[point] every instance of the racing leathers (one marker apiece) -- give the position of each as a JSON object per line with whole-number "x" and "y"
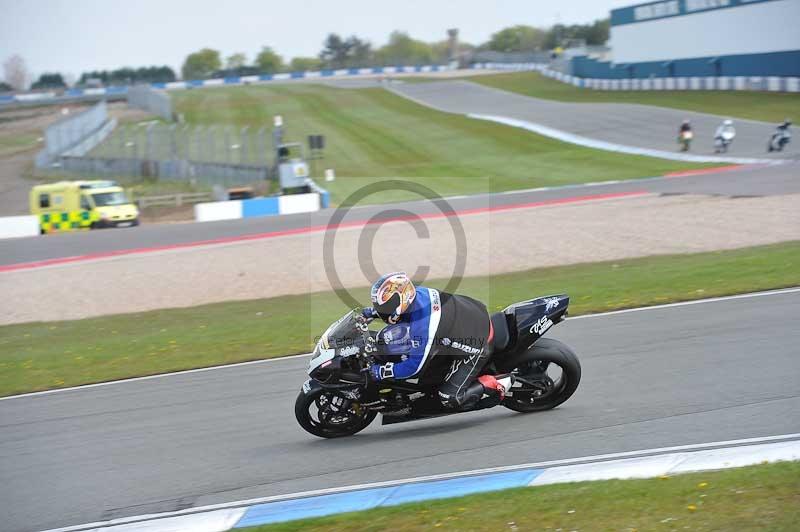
{"x": 447, "y": 339}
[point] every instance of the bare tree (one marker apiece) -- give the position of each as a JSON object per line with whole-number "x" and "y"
{"x": 15, "y": 72}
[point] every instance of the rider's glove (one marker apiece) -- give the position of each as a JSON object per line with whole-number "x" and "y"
{"x": 369, "y": 313}
{"x": 380, "y": 372}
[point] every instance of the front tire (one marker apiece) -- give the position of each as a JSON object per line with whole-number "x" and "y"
{"x": 318, "y": 413}
{"x": 538, "y": 390}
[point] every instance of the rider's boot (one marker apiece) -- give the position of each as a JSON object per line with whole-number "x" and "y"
{"x": 495, "y": 388}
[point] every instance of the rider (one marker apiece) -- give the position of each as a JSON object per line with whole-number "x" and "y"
{"x": 725, "y": 127}
{"x": 428, "y": 329}
{"x": 781, "y": 135}
{"x": 686, "y": 127}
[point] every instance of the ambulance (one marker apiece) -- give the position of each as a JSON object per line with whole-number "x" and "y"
{"x": 76, "y": 205}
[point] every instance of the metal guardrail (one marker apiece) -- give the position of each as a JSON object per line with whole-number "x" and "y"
{"x": 176, "y": 200}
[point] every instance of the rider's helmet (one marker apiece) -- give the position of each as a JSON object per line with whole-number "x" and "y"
{"x": 392, "y": 295}
{"x": 727, "y": 122}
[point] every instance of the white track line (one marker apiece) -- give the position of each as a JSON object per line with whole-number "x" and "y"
{"x": 443, "y": 476}
{"x": 580, "y": 140}
{"x": 290, "y": 357}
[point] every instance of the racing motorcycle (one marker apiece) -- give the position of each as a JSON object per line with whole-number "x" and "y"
{"x": 685, "y": 139}
{"x": 779, "y": 140}
{"x": 722, "y": 141}
{"x": 329, "y": 405}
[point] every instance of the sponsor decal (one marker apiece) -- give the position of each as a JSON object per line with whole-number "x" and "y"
{"x": 461, "y": 345}
{"x": 355, "y": 393}
{"x": 307, "y": 386}
{"x": 542, "y": 325}
{"x": 349, "y": 350}
{"x": 657, "y": 10}
{"x": 457, "y": 364}
{"x": 550, "y": 303}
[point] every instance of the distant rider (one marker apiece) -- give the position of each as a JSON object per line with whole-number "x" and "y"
{"x": 725, "y": 127}
{"x": 724, "y": 135}
{"x": 435, "y": 336}
{"x": 781, "y": 136}
{"x": 685, "y": 135}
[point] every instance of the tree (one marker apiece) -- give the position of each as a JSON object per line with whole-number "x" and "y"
{"x": 403, "y": 50}
{"x": 303, "y": 64}
{"x": 202, "y": 64}
{"x": 5, "y": 87}
{"x": 15, "y": 72}
{"x": 49, "y": 81}
{"x": 235, "y": 61}
{"x": 519, "y": 38}
{"x": 359, "y": 52}
{"x": 334, "y": 51}
{"x": 269, "y": 62}
{"x": 593, "y": 34}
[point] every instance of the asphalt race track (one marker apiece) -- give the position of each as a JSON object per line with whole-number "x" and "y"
{"x": 642, "y": 126}
{"x": 744, "y": 181}
{"x": 711, "y": 371}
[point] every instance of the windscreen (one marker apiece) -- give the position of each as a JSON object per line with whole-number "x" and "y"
{"x": 342, "y": 332}
{"x": 106, "y": 199}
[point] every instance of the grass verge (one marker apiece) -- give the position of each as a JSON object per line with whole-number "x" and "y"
{"x": 755, "y": 498}
{"x": 376, "y": 134}
{"x": 40, "y": 356}
{"x": 765, "y": 106}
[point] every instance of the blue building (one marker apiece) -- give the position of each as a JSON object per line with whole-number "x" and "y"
{"x": 682, "y": 38}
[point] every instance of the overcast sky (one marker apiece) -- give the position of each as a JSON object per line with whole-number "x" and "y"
{"x": 72, "y": 36}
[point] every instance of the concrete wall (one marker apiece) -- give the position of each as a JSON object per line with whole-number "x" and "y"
{"x": 250, "y": 208}
{"x": 19, "y": 226}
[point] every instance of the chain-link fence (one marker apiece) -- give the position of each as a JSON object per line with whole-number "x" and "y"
{"x": 207, "y": 155}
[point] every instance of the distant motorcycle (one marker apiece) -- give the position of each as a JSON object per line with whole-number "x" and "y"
{"x": 724, "y": 136}
{"x": 546, "y": 372}
{"x": 685, "y": 139}
{"x": 779, "y": 139}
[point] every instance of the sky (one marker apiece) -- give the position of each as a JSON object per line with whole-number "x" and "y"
{"x": 79, "y": 35}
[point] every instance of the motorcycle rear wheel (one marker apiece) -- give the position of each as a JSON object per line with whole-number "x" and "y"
{"x": 537, "y": 390}
{"x": 319, "y": 414}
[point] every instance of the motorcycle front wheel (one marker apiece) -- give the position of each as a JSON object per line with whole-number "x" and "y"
{"x": 327, "y": 415}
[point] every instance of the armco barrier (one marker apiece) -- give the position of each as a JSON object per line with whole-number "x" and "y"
{"x": 251, "y": 208}
{"x": 708, "y": 83}
{"x": 19, "y": 226}
{"x": 117, "y": 92}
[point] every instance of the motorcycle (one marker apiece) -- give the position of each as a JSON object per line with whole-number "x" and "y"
{"x": 546, "y": 372}
{"x": 685, "y": 139}
{"x": 779, "y": 140}
{"x": 722, "y": 141}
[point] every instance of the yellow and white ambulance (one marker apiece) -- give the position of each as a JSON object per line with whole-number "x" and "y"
{"x": 76, "y": 205}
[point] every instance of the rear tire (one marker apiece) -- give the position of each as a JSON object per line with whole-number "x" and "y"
{"x": 318, "y": 427}
{"x": 545, "y": 351}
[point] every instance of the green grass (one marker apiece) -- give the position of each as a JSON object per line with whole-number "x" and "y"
{"x": 374, "y": 133}
{"x": 754, "y": 498}
{"x": 12, "y": 143}
{"x": 39, "y": 356}
{"x": 765, "y": 106}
